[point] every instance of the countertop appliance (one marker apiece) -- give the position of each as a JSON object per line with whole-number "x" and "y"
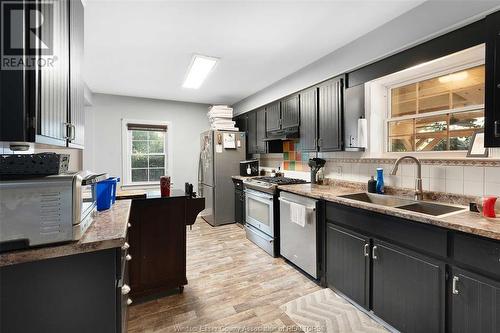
{"x": 249, "y": 168}
{"x": 298, "y": 243}
{"x": 46, "y": 210}
{"x": 262, "y": 210}
{"x": 220, "y": 154}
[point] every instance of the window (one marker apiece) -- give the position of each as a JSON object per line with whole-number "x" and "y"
{"x": 437, "y": 114}
{"x": 145, "y": 153}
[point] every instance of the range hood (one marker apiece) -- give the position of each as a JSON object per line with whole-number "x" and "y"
{"x": 283, "y": 134}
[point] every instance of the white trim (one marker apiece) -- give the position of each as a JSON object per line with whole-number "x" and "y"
{"x": 126, "y": 168}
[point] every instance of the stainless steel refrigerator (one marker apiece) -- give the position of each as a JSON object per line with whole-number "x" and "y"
{"x": 220, "y": 156}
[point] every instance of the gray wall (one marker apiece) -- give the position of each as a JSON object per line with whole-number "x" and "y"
{"x": 103, "y": 133}
{"x": 424, "y": 22}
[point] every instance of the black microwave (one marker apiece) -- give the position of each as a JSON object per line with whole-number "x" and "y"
{"x": 249, "y": 168}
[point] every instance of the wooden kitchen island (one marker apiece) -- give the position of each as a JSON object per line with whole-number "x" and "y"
{"x": 157, "y": 238}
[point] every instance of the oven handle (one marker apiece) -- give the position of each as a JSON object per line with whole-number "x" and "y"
{"x": 291, "y": 202}
{"x": 257, "y": 194}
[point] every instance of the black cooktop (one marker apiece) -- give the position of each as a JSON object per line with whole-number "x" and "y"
{"x": 281, "y": 180}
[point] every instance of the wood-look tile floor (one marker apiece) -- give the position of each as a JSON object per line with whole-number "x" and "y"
{"x": 233, "y": 286}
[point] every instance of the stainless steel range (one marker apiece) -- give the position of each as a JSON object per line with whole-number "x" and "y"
{"x": 262, "y": 211}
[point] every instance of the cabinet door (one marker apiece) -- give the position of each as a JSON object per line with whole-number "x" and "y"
{"x": 408, "y": 289}
{"x": 330, "y": 115}
{"x": 54, "y": 82}
{"x": 238, "y": 207}
{"x": 492, "y": 89}
{"x": 77, "y": 112}
{"x": 475, "y": 303}
{"x": 252, "y": 133}
{"x": 261, "y": 131}
{"x": 273, "y": 116}
{"x": 347, "y": 263}
{"x": 354, "y": 109}
{"x": 309, "y": 119}
{"x": 290, "y": 112}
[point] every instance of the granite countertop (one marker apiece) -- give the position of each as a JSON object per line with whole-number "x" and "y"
{"x": 109, "y": 230}
{"x": 465, "y": 221}
{"x": 243, "y": 177}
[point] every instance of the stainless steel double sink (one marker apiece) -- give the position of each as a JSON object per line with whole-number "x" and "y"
{"x": 423, "y": 207}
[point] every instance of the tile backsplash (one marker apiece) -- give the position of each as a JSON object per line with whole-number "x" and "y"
{"x": 475, "y": 177}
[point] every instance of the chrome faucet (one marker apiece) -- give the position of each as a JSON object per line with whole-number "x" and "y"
{"x": 419, "y": 193}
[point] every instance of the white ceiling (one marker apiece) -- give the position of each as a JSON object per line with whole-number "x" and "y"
{"x": 143, "y": 48}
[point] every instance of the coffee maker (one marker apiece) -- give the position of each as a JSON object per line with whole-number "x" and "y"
{"x": 315, "y": 164}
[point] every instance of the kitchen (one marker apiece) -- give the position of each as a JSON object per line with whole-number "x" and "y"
{"x": 171, "y": 174}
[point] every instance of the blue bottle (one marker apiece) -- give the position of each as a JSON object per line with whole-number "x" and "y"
{"x": 380, "y": 181}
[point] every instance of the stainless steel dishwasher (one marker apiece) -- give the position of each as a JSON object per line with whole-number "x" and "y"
{"x": 298, "y": 243}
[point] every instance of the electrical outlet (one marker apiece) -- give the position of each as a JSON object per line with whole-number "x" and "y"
{"x": 337, "y": 171}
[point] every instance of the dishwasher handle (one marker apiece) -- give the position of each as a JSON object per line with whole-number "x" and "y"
{"x": 292, "y": 202}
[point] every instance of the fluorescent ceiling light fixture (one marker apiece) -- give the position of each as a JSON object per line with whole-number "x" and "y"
{"x": 198, "y": 71}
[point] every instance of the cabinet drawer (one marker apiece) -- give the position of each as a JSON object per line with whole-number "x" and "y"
{"x": 404, "y": 232}
{"x": 477, "y": 252}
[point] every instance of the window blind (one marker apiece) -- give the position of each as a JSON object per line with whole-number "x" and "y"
{"x": 146, "y": 127}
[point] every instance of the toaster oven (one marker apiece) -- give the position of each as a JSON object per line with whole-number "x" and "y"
{"x": 46, "y": 210}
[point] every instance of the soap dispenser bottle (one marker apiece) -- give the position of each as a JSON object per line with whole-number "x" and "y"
{"x": 380, "y": 181}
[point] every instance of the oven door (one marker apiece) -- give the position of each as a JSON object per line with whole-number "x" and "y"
{"x": 260, "y": 211}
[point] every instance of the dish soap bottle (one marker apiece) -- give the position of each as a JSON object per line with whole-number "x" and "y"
{"x": 380, "y": 181}
{"x": 372, "y": 185}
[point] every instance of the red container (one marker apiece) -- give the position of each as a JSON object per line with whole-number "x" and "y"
{"x": 489, "y": 206}
{"x": 165, "y": 186}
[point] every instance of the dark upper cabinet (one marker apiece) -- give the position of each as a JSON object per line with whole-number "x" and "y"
{"x": 46, "y": 105}
{"x": 475, "y": 303}
{"x": 290, "y": 111}
{"x": 492, "y": 89}
{"x": 408, "y": 289}
{"x": 261, "y": 145}
{"x": 309, "y": 119}
{"x": 354, "y": 109}
{"x": 251, "y": 122}
{"x": 273, "y": 116}
{"x": 77, "y": 111}
{"x": 330, "y": 104}
{"x": 348, "y": 263}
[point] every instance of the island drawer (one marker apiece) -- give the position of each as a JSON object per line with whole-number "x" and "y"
{"x": 481, "y": 253}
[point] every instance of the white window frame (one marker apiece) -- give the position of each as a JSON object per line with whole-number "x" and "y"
{"x": 443, "y": 72}
{"x": 127, "y": 151}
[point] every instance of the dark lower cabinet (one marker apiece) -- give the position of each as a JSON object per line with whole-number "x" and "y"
{"x": 348, "y": 263}
{"x": 77, "y": 293}
{"x": 408, "y": 289}
{"x": 475, "y": 303}
{"x": 239, "y": 202}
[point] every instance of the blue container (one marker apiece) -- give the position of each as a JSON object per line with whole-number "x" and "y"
{"x": 115, "y": 186}
{"x": 106, "y": 193}
{"x": 380, "y": 181}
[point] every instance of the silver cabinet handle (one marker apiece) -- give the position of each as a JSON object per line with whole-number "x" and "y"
{"x": 128, "y": 257}
{"x": 67, "y": 129}
{"x": 125, "y": 289}
{"x": 129, "y": 225}
{"x": 365, "y": 250}
{"x": 73, "y": 132}
{"x": 454, "y": 289}
{"x": 374, "y": 253}
{"x": 129, "y": 301}
{"x": 125, "y": 246}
